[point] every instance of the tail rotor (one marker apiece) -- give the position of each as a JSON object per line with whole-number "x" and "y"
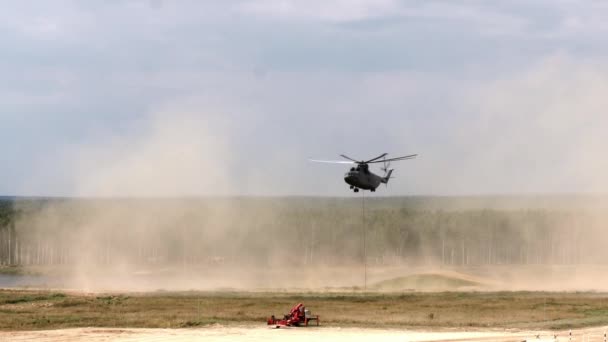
{"x": 387, "y": 172}
{"x": 385, "y": 167}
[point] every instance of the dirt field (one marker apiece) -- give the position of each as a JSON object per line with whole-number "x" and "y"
{"x": 255, "y": 333}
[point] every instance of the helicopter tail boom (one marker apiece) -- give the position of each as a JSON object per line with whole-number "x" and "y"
{"x": 387, "y": 177}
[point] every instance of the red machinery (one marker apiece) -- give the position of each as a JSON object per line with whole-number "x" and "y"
{"x": 298, "y": 316}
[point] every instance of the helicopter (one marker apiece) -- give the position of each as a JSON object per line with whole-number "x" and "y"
{"x": 360, "y": 177}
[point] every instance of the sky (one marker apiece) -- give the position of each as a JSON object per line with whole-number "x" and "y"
{"x": 202, "y": 98}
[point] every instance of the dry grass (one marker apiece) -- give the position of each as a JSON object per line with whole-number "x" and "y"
{"x": 26, "y": 310}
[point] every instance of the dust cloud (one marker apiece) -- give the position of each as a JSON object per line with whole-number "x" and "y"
{"x": 162, "y": 208}
{"x": 155, "y": 209}
{"x": 296, "y": 244}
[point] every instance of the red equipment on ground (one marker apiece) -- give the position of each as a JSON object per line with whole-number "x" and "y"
{"x": 298, "y": 316}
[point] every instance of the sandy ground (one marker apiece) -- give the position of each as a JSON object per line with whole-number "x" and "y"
{"x": 221, "y": 333}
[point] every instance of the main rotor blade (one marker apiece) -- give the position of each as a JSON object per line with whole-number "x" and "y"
{"x": 411, "y": 156}
{"x": 378, "y": 157}
{"x": 349, "y": 158}
{"x": 331, "y": 161}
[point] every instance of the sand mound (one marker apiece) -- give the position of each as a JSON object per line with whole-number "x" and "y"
{"x": 430, "y": 282}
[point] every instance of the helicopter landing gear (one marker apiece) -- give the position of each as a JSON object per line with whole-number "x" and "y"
{"x": 356, "y": 190}
{"x": 352, "y": 187}
{"x": 373, "y": 190}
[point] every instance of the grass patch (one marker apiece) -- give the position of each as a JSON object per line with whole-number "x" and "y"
{"x": 12, "y": 270}
{"x": 26, "y": 310}
{"x": 30, "y": 298}
{"x": 29, "y": 270}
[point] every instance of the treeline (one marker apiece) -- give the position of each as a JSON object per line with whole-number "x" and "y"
{"x": 299, "y": 231}
{"x": 8, "y": 236}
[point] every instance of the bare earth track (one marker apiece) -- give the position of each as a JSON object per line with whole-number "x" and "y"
{"x": 252, "y": 333}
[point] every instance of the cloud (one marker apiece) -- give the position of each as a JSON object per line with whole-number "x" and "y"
{"x": 469, "y": 86}
{"x": 331, "y": 11}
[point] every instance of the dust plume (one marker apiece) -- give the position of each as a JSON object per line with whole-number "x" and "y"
{"x": 162, "y": 206}
{"x": 156, "y": 209}
{"x": 293, "y": 243}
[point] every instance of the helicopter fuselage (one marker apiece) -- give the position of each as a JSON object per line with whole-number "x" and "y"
{"x": 362, "y": 178}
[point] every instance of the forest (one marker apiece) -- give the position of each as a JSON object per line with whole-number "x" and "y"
{"x": 470, "y": 231}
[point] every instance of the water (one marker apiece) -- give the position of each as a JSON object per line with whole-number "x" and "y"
{"x": 15, "y": 281}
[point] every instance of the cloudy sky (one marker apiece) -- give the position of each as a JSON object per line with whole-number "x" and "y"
{"x": 165, "y": 98}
